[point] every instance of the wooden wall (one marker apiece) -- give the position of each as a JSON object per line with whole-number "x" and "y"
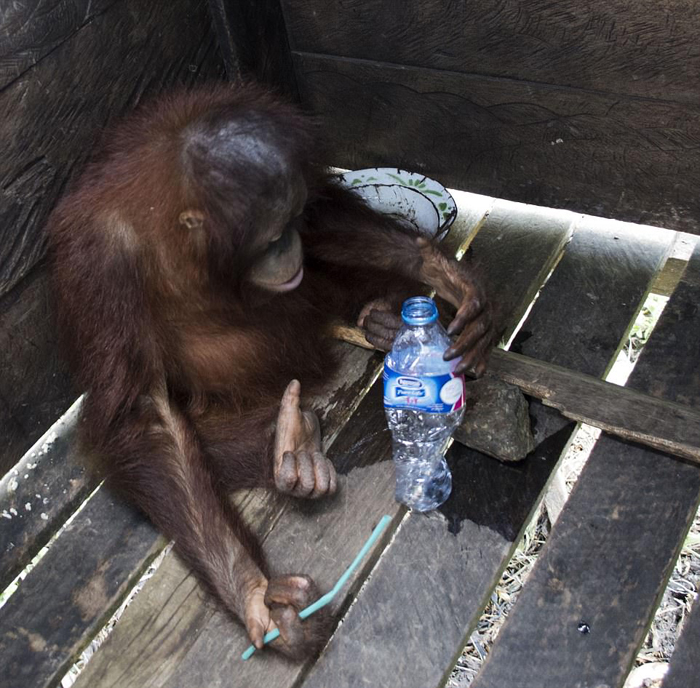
{"x": 68, "y": 67}
{"x": 591, "y": 106}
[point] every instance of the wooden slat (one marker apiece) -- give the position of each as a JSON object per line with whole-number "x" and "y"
{"x": 473, "y": 210}
{"x": 53, "y": 483}
{"x": 525, "y": 244}
{"x": 671, "y": 374}
{"x": 602, "y": 154}
{"x": 685, "y": 661}
{"x": 35, "y": 385}
{"x": 426, "y": 594}
{"x": 647, "y": 48}
{"x": 73, "y": 589}
{"x": 323, "y": 539}
{"x": 168, "y": 617}
{"x": 613, "y": 548}
{"x": 102, "y": 58}
{"x": 669, "y": 278}
{"x": 622, "y": 411}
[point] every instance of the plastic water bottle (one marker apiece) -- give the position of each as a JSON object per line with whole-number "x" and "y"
{"x": 424, "y": 403}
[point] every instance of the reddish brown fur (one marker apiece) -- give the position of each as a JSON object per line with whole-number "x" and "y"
{"x": 183, "y": 364}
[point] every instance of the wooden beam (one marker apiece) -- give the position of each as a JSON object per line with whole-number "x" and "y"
{"x": 586, "y": 45}
{"x": 631, "y": 415}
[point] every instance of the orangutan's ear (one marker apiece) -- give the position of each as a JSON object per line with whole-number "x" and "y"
{"x": 192, "y": 219}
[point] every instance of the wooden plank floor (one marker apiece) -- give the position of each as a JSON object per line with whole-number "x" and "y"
{"x": 333, "y": 542}
{"x": 53, "y": 483}
{"x": 92, "y": 540}
{"x": 594, "y": 589}
{"x": 515, "y": 252}
{"x": 43, "y": 625}
{"x": 428, "y": 590}
{"x": 169, "y": 615}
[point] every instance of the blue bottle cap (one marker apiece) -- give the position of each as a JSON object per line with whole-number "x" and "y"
{"x": 419, "y": 310}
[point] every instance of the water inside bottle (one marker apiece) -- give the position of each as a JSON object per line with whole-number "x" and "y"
{"x": 423, "y": 401}
{"x": 423, "y": 480}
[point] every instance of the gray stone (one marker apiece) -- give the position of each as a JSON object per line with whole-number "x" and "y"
{"x": 497, "y": 420}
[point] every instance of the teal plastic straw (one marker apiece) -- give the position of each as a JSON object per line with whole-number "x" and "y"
{"x": 323, "y": 601}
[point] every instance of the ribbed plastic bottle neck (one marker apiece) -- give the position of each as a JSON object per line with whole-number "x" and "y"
{"x": 419, "y": 311}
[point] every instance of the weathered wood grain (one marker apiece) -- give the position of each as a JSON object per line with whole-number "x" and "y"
{"x": 594, "y": 589}
{"x": 621, "y": 411}
{"x": 172, "y": 627}
{"x": 670, "y": 374}
{"x": 583, "y": 289}
{"x": 29, "y": 31}
{"x": 608, "y": 155}
{"x": 35, "y": 385}
{"x": 473, "y": 212}
{"x": 646, "y": 48}
{"x": 685, "y": 661}
{"x": 514, "y": 253}
{"x": 37, "y": 496}
{"x": 72, "y": 591}
{"x": 428, "y": 590}
{"x": 669, "y": 278}
{"x": 51, "y": 115}
{"x": 171, "y": 608}
{"x": 254, "y": 42}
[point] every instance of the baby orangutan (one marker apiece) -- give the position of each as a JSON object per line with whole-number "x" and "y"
{"x": 197, "y": 266}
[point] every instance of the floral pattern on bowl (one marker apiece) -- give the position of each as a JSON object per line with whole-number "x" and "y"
{"x": 435, "y": 192}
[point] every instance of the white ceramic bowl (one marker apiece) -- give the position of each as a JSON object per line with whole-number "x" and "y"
{"x": 405, "y": 204}
{"x": 406, "y": 195}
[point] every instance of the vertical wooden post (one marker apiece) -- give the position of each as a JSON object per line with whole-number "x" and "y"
{"x": 254, "y": 43}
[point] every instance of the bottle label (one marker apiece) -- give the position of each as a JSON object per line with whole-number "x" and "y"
{"x": 432, "y": 393}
